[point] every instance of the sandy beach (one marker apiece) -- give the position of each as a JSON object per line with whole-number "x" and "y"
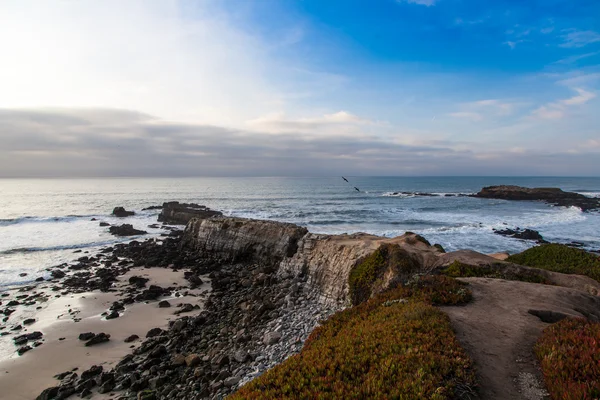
{"x": 26, "y": 376}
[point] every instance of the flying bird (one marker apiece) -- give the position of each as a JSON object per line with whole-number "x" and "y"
{"x": 345, "y": 179}
{"x": 357, "y": 189}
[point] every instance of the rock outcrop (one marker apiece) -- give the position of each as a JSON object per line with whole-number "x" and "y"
{"x": 121, "y": 212}
{"x": 177, "y": 213}
{"x": 238, "y": 239}
{"x": 327, "y": 260}
{"x": 524, "y": 234}
{"x": 125, "y": 230}
{"x": 553, "y": 196}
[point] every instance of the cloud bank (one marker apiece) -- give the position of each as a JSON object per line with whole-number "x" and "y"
{"x": 109, "y": 142}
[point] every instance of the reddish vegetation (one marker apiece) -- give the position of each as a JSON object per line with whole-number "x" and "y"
{"x": 387, "y": 347}
{"x": 569, "y": 352}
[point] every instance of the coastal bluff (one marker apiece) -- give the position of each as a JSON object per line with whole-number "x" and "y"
{"x": 327, "y": 260}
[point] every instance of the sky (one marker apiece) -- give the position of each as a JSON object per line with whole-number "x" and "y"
{"x": 299, "y": 88}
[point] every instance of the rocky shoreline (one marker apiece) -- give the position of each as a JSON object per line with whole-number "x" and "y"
{"x": 252, "y": 320}
{"x": 270, "y": 283}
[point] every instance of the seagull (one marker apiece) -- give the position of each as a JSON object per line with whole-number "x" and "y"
{"x": 345, "y": 179}
{"x": 357, "y": 189}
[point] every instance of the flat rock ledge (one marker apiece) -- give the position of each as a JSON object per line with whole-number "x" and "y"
{"x": 554, "y": 196}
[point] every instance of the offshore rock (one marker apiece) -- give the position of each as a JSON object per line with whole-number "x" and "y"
{"x": 177, "y": 213}
{"x": 121, "y": 212}
{"x": 553, "y": 196}
{"x": 125, "y": 230}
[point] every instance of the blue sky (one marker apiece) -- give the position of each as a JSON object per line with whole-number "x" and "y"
{"x": 385, "y": 87}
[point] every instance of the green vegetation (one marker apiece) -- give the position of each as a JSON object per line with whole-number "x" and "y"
{"x": 437, "y": 290}
{"x": 560, "y": 258}
{"x": 371, "y": 268}
{"x": 439, "y": 247}
{"x": 394, "y": 345}
{"x": 499, "y": 271}
{"x": 569, "y": 354}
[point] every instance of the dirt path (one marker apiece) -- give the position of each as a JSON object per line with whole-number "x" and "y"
{"x": 499, "y": 333}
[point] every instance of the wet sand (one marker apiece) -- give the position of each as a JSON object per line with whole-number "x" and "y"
{"x": 26, "y": 376}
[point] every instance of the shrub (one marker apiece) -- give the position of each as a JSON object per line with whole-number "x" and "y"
{"x": 438, "y": 290}
{"x": 498, "y": 271}
{"x": 365, "y": 275}
{"x": 569, "y": 354}
{"x": 560, "y": 258}
{"x": 387, "y": 347}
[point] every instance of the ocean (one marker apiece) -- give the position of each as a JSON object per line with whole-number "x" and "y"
{"x": 43, "y": 222}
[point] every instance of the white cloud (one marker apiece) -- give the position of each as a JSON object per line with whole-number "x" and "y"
{"x": 484, "y": 109}
{"x": 549, "y": 112}
{"x": 559, "y": 109}
{"x": 581, "y": 98}
{"x": 575, "y": 38}
{"x": 575, "y": 58}
{"x": 341, "y": 122}
{"x": 184, "y": 61}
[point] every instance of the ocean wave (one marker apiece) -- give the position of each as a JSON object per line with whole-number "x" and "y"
{"x": 590, "y": 194}
{"x": 426, "y": 194}
{"x": 37, "y": 219}
{"x": 21, "y": 250}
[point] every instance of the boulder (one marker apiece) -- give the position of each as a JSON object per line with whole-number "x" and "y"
{"x": 121, "y": 212}
{"x": 97, "y": 339}
{"x": 125, "y": 230}
{"x": 271, "y": 338}
{"x": 192, "y": 360}
{"x": 131, "y": 338}
{"x": 524, "y": 234}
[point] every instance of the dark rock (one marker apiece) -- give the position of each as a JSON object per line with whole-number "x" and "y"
{"x": 131, "y": 338}
{"x": 192, "y": 360}
{"x": 154, "y": 332}
{"x": 152, "y": 293}
{"x": 40, "y": 279}
{"x": 48, "y": 394}
{"x": 181, "y": 213}
{"x": 24, "y": 350}
{"x": 113, "y": 315}
{"x": 94, "y": 370}
{"x": 103, "y": 224}
{"x": 125, "y": 230}
{"x": 58, "y": 274}
{"x": 97, "y": 339}
{"x": 19, "y": 340}
{"x": 185, "y": 309}
{"x": 138, "y": 281}
{"x": 164, "y": 304}
{"x": 29, "y": 321}
{"x": 146, "y": 395}
{"x": 86, "y": 336}
{"x": 524, "y": 234}
{"x": 121, "y": 212}
{"x": 553, "y": 196}
{"x": 106, "y": 387}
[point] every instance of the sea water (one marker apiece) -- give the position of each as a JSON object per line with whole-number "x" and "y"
{"x": 43, "y": 222}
